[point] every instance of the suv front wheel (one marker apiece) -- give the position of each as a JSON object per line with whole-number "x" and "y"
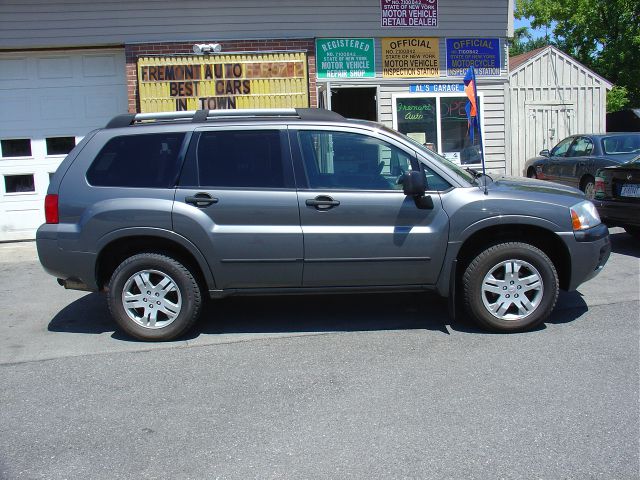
{"x": 510, "y": 287}
{"x": 154, "y": 297}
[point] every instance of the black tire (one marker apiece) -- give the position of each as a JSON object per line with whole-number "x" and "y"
{"x": 588, "y": 185}
{"x": 531, "y": 173}
{"x": 181, "y": 299}
{"x": 533, "y": 263}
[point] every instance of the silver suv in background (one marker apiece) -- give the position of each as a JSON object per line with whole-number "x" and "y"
{"x": 162, "y": 210}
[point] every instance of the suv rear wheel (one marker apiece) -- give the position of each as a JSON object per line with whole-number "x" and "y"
{"x": 510, "y": 287}
{"x": 154, "y": 297}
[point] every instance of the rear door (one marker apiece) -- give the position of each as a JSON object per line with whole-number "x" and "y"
{"x": 237, "y": 201}
{"x": 359, "y": 228}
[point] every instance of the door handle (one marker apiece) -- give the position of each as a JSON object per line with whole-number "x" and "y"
{"x": 322, "y": 202}
{"x": 201, "y": 200}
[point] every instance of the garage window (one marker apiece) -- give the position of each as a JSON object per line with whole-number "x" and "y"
{"x": 19, "y": 184}
{"x": 16, "y": 147}
{"x": 60, "y": 145}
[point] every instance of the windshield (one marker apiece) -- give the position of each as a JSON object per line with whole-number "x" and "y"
{"x": 457, "y": 169}
{"x": 621, "y": 144}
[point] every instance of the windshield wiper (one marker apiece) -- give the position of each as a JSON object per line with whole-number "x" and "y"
{"x": 473, "y": 172}
{"x": 477, "y": 175}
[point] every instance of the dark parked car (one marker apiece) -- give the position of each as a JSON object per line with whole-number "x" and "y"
{"x": 617, "y": 196}
{"x": 576, "y": 159}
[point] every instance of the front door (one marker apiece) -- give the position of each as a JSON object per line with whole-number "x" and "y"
{"x": 552, "y": 167}
{"x": 359, "y": 228}
{"x": 238, "y": 203}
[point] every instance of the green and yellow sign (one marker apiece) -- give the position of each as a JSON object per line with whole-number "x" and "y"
{"x": 265, "y": 80}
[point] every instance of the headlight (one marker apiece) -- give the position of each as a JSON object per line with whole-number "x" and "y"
{"x": 584, "y": 215}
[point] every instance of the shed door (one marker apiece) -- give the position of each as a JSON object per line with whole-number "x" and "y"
{"x": 547, "y": 125}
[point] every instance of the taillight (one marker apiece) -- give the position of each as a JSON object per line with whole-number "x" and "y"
{"x": 599, "y": 187}
{"x": 51, "y": 209}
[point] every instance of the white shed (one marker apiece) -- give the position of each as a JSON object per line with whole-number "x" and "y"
{"x": 551, "y": 96}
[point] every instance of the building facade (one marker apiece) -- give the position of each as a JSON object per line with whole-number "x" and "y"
{"x": 67, "y": 68}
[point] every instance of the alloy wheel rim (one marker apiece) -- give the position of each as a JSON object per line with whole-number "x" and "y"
{"x": 512, "y": 290}
{"x": 151, "y": 299}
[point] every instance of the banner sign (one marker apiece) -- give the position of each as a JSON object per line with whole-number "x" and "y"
{"x": 410, "y": 57}
{"x": 482, "y": 53}
{"x": 437, "y": 88}
{"x": 264, "y": 80}
{"x": 345, "y": 58}
{"x": 409, "y": 13}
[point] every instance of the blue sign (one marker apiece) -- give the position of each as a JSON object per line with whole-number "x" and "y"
{"x": 437, "y": 88}
{"x": 482, "y": 53}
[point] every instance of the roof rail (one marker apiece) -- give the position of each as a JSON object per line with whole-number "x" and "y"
{"x": 204, "y": 115}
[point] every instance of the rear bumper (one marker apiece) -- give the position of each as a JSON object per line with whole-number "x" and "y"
{"x": 618, "y": 213}
{"x": 78, "y": 267}
{"x": 590, "y": 250}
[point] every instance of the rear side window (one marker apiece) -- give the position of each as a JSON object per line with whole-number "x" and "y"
{"x": 582, "y": 147}
{"x": 144, "y": 161}
{"x": 250, "y": 159}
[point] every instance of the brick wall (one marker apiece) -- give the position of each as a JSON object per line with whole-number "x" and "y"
{"x": 133, "y": 51}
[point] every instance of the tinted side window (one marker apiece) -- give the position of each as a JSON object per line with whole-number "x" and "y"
{"x": 250, "y": 159}
{"x": 341, "y": 160}
{"x": 560, "y": 149}
{"x": 149, "y": 161}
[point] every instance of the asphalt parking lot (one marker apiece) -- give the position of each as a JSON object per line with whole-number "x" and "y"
{"x": 364, "y": 386}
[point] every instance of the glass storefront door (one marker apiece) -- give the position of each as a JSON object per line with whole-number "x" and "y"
{"x": 439, "y": 121}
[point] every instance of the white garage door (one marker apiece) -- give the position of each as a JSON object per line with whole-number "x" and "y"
{"x": 48, "y": 102}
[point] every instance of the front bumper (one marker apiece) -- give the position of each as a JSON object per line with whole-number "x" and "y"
{"x": 589, "y": 250}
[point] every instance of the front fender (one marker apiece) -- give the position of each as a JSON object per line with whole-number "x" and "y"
{"x": 445, "y": 282}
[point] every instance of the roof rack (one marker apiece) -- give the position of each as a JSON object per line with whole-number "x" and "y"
{"x": 198, "y": 116}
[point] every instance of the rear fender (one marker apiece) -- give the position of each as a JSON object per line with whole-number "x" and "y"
{"x": 137, "y": 232}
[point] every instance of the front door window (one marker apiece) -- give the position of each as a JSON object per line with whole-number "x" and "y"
{"x": 349, "y": 161}
{"x": 560, "y": 149}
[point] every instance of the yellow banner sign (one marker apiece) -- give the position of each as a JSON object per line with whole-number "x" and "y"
{"x": 268, "y": 80}
{"x": 410, "y": 57}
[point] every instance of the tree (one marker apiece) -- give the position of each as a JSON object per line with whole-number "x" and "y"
{"x": 617, "y": 99}
{"x": 602, "y": 34}
{"x": 524, "y": 42}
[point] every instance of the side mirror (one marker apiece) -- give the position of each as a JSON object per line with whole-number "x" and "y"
{"x": 545, "y": 153}
{"x": 412, "y": 184}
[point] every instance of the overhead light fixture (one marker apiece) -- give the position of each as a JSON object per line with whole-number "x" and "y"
{"x": 200, "y": 48}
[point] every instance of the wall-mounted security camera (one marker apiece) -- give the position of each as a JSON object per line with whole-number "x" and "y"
{"x": 200, "y": 48}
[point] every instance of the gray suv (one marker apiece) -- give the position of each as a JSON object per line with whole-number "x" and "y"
{"x": 162, "y": 210}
